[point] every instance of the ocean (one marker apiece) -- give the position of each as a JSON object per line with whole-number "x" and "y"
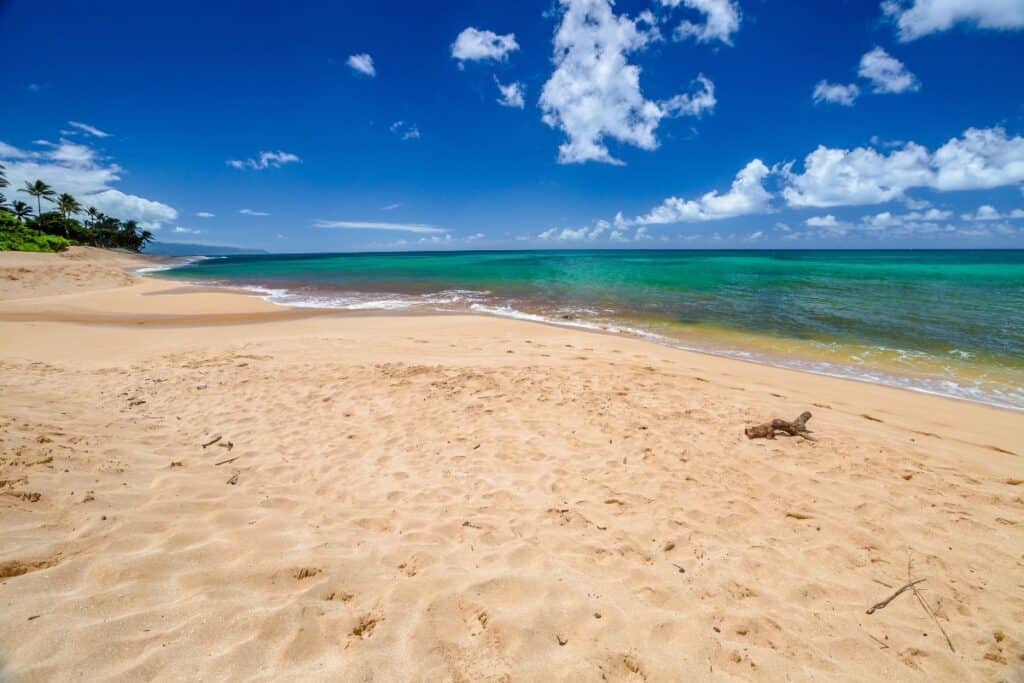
{"x": 942, "y": 322}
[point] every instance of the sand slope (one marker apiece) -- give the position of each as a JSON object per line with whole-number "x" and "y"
{"x": 469, "y": 499}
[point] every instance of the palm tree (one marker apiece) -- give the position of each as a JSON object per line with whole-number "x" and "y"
{"x": 21, "y": 210}
{"x": 3, "y": 183}
{"x": 68, "y": 206}
{"x": 40, "y": 191}
{"x": 94, "y": 215}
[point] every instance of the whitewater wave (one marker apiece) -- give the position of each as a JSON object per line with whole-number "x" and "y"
{"x": 483, "y": 302}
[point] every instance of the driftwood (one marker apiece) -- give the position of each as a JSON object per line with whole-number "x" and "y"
{"x": 797, "y": 427}
{"x": 212, "y": 441}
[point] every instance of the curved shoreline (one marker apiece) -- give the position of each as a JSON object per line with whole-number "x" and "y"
{"x": 389, "y": 305}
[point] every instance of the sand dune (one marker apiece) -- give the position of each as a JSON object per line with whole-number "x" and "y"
{"x": 459, "y": 498}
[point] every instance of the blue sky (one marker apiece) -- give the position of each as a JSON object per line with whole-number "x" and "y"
{"x": 656, "y": 123}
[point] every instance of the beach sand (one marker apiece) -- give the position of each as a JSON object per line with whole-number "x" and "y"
{"x": 464, "y": 498}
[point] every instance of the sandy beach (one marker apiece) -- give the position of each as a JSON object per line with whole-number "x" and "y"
{"x": 201, "y": 485}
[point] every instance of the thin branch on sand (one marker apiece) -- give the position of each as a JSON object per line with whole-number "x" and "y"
{"x": 927, "y": 609}
{"x": 885, "y": 603}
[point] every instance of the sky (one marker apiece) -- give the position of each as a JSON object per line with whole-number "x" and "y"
{"x": 341, "y": 126}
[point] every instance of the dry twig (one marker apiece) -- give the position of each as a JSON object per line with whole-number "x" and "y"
{"x": 927, "y": 609}
{"x": 885, "y": 603}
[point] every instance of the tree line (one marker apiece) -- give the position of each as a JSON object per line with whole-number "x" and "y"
{"x": 59, "y": 227}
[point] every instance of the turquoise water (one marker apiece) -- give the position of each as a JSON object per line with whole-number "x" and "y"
{"x": 947, "y": 322}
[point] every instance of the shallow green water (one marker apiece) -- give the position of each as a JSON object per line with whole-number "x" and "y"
{"x": 949, "y": 322}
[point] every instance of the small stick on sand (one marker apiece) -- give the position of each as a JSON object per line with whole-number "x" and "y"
{"x": 797, "y": 427}
{"x": 885, "y": 603}
{"x": 225, "y": 462}
{"x": 212, "y": 441}
{"x": 927, "y": 609}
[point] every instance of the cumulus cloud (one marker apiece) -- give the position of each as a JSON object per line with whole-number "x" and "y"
{"x": 746, "y": 196}
{"x": 979, "y": 159}
{"x": 594, "y": 92}
{"x": 406, "y": 131}
{"x": 250, "y": 212}
{"x": 827, "y": 221}
{"x": 887, "y": 74}
{"x": 363, "y": 64}
{"x": 265, "y": 160}
{"x": 80, "y": 171}
{"x": 512, "y": 95}
{"x": 836, "y": 93}
{"x": 204, "y": 214}
{"x": 986, "y": 212}
{"x": 721, "y": 19}
{"x": 88, "y": 130}
{"x": 187, "y": 231}
{"x": 917, "y": 18}
{"x": 419, "y": 228}
{"x": 476, "y": 45}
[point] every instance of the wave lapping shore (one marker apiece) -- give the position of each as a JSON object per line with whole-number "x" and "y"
{"x": 944, "y": 323}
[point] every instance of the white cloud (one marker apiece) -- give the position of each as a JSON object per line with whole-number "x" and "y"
{"x": 692, "y": 104}
{"x": 362, "y": 63}
{"x": 89, "y": 130}
{"x": 188, "y": 231}
{"x": 475, "y": 45}
{"x": 594, "y": 92}
{"x": 827, "y": 221}
{"x": 250, "y": 212}
{"x": 990, "y": 213}
{"x": 371, "y": 225}
{"x": 204, "y": 214}
{"x": 80, "y": 171}
{"x": 721, "y": 20}
{"x": 746, "y": 196}
{"x": 512, "y": 95}
{"x": 979, "y": 159}
{"x": 836, "y": 93}
{"x": 917, "y": 18}
{"x": 887, "y": 74}
{"x": 266, "y": 160}
{"x": 390, "y": 207}
{"x": 406, "y": 131}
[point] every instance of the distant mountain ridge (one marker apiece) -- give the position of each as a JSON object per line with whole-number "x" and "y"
{"x": 192, "y": 249}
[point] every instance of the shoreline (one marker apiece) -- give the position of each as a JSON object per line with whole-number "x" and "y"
{"x": 801, "y": 360}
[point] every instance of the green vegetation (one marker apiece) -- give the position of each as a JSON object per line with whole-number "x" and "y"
{"x": 56, "y": 230}
{"x": 15, "y": 236}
